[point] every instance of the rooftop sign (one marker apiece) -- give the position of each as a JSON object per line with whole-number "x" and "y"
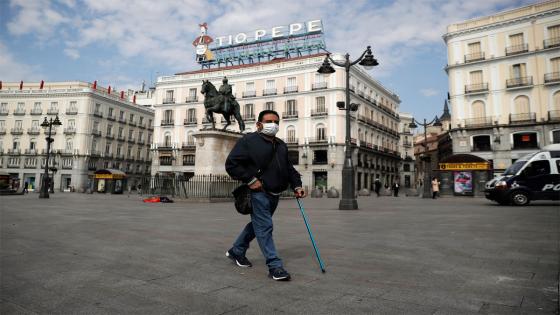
{"x": 294, "y": 40}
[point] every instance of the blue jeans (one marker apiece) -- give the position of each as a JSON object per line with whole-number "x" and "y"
{"x": 260, "y": 227}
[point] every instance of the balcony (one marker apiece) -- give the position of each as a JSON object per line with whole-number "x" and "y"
{"x": 291, "y": 89}
{"x": 477, "y": 56}
{"x": 110, "y": 136}
{"x": 98, "y": 114}
{"x": 407, "y": 144}
{"x": 247, "y": 94}
{"x": 120, "y": 138}
{"x": 2, "y": 131}
{"x": 33, "y": 131}
{"x": 551, "y": 42}
{"x": 167, "y": 122}
{"x": 30, "y": 151}
{"x": 96, "y": 133}
{"x": 291, "y": 141}
{"x": 13, "y": 163}
{"x": 517, "y": 49}
{"x": 519, "y": 82}
{"x": 71, "y": 111}
{"x": 165, "y": 146}
{"x": 132, "y": 122}
{"x": 142, "y": 125}
{"x": 269, "y": 92}
{"x": 554, "y": 115}
{"x": 16, "y": 131}
{"x": 290, "y": 115}
{"x": 122, "y": 120}
{"x": 189, "y": 145}
{"x": 36, "y": 111}
{"x": 522, "y": 118}
{"x": 248, "y": 117}
{"x": 476, "y": 88}
{"x": 191, "y": 99}
{"x": 319, "y": 112}
{"x": 318, "y": 140}
{"x": 19, "y": 112}
{"x": 478, "y": 122}
{"x": 319, "y": 86}
{"x": 111, "y": 117}
{"x": 95, "y": 153}
{"x": 119, "y": 156}
{"x": 553, "y": 77}
{"x": 131, "y": 140}
{"x": 3, "y": 112}
{"x": 168, "y": 101}
{"x": 190, "y": 122}
{"x": 69, "y": 130}
{"x": 14, "y": 152}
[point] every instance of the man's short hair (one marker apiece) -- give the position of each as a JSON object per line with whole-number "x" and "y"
{"x": 267, "y": 111}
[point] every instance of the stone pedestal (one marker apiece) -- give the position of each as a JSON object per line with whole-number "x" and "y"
{"x": 213, "y": 147}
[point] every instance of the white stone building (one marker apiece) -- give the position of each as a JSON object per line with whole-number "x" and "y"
{"x": 311, "y": 124}
{"x": 406, "y": 150}
{"x": 99, "y": 131}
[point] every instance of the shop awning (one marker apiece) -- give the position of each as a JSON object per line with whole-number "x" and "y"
{"x": 464, "y": 162}
{"x": 110, "y": 174}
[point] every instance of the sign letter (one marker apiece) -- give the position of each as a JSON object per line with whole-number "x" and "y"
{"x": 314, "y": 26}
{"x": 259, "y": 34}
{"x": 276, "y": 31}
{"x": 220, "y": 39}
{"x": 240, "y": 38}
{"x": 295, "y": 28}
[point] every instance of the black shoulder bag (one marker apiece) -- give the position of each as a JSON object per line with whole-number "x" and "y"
{"x": 242, "y": 194}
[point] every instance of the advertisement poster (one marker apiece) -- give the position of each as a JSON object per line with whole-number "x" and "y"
{"x": 463, "y": 183}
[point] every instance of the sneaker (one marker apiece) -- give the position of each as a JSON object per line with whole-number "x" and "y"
{"x": 241, "y": 261}
{"x": 279, "y": 274}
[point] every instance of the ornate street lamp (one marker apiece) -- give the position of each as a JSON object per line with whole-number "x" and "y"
{"x": 48, "y": 125}
{"x": 426, "y": 158}
{"x": 348, "y": 201}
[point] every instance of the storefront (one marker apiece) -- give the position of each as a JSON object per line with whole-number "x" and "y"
{"x": 109, "y": 181}
{"x": 464, "y": 175}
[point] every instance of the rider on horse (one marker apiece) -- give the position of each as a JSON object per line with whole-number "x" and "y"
{"x": 226, "y": 91}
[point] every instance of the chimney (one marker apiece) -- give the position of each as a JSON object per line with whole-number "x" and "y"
{"x": 0, "y": 85}
{"x": 21, "y": 85}
{"x": 95, "y": 85}
{"x": 41, "y": 85}
{"x": 109, "y": 90}
{"x": 133, "y": 97}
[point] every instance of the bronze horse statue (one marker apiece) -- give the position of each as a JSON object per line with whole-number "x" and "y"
{"x": 214, "y": 102}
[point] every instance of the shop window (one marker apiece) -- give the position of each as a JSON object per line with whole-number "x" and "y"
{"x": 556, "y": 136}
{"x": 525, "y": 140}
{"x": 481, "y": 143}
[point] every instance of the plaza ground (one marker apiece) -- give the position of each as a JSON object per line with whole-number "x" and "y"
{"x": 104, "y": 254}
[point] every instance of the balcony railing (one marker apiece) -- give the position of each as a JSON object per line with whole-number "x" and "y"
{"x": 120, "y": 138}
{"x": 142, "y": 125}
{"x": 551, "y": 42}
{"x": 19, "y": 112}
{"x": 522, "y": 118}
{"x": 71, "y": 111}
{"x": 478, "y": 122}
{"x": 111, "y": 117}
{"x": 289, "y": 115}
{"x": 474, "y": 57}
{"x": 476, "y": 88}
{"x": 3, "y": 112}
{"x": 518, "y": 82}
{"x": 16, "y": 131}
{"x": 320, "y": 162}
{"x": 249, "y": 94}
{"x": 319, "y": 112}
{"x": 189, "y": 122}
{"x": 36, "y": 111}
{"x": 164, "y": 146}
{"x": 291, "y": 140}
{"x": 169, "y": 101}
{"x": 122, "y": 120}
{"x": 318, "y": 140}
{"x": 110, "y": 136}
{"x": 132, "y": 122}
{"x": 191, "y": 99}
{"x": 96, "y": 133}
{"x": 33, "y": 131}
{"x": 319, "y": 86}
{"x": 248, "y": 117}
{"x": 2, "y": 131}
{"x": 69, "y": 130}
{"x": 14, "y": 151}
{"x": 269, "y": 92}
{"x": 188, "y": 145}
{"x": 554, "y": 115}
{"x": 98, "y": 114}
{"x": 291, "y": 89}
{"x": 168, "y": 122}
{"x": 553, "y": 77}
{"x": 517, "y": 49}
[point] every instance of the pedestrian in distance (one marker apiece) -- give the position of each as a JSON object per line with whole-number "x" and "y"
{"x": 396, "y": 189}
{"x": 254, "y": 152}
{"x": 25, "y": 190}
{"x": 435, "y": 187}
{"x": 377, "y": 186}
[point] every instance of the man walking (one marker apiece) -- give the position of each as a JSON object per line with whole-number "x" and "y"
{"x": 377, "y": 186}
{"x": 396, "y": 189}
{"x": 261, "y": 161}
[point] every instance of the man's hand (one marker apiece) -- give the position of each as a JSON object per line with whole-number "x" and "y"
{"x": 257, "y": 185}
{"x": 300, "y": 193}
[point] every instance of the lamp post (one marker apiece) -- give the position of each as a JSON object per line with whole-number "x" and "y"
{"x": 48, "y": 125}
{"x": 348, "y": 201}
{"x": 426, "y": 159}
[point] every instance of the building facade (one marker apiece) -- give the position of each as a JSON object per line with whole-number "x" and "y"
{"x": 504, "y": 83}
{"x": 406, "y": 149}
{"x": 310, "y": 123}
{"x": 100, "y": 130}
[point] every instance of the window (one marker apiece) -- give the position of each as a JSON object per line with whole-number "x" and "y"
{"x": 121, "y": 132}
{"x": 110, "y": 114}
{"x": 525, "y": 140}
{"x": 270, "y": 84}
{"x": 319, "y": 78}
{"x": 516, "y": 39}
{"x": 109, "y": 129}
{"x": 128, "y": 152}
{"x": 291, "y": 81}
{"x": 73, "y": 105}
{"x": 3, "y": 107}
{"x": 121, "y": 115}
{"x": 476, "y": 77}
{"x": 320, "y": 132}
{"x": 191, "y": 114}
{"x": 270, "y": 105}
{"x": 518, "y": 70}
{"x": 37, "y": 107}
{"x": 69, "y": 144}
{"x": 320, "y": 157}
{"x": 15, "y": 144}
{"x": 521, "y": 105}
{"x": 168, "y": 97}
{"x": 474, "y": 48}
{"x": 291, "y": 134}
{"x": 140, "y": 120}
{"x": 131, "y": 118}
{"x": 188, "y": 159}
{"x": 93, "y": 145}
{"x": 291, "y": 107}
{"x": 481, "y": 143}
{"x": 406, "y": 167}
{"x": 537, "y": 168}
{"x": 249, "y": 111}
{"x": 250, "y": 86}
{"x": 34, "y": 124}
{"x": 119, "y": 149}
{"x": 97, "y": 107}
{"x": 130, "y": 134}
{"x": 33, "y": 144}
{"x": 108, "y": 148}
{"x": 71, "y": 123}
{"x": 140, "y": 136}
{"x": 320, "y": 104}
{"x": 556, "y": 136}
{"x": 478, "y": 110}
{"x": 192, "y": 92}
{"x": 20, "y": 107}
{"x": 168, "y": 115}
{"x": 167, "y": 140}
{"x": 19, "y": 124}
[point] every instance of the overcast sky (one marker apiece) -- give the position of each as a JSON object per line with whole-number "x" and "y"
{"x": 124, "y": 42}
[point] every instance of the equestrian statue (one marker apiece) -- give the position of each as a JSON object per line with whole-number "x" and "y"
{"x": 221, "y": 102}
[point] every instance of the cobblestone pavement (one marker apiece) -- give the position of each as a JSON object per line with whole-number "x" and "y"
{"x": 104, "y": 254}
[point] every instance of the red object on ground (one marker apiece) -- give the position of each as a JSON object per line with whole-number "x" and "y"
{"x": 152, "y": 199}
